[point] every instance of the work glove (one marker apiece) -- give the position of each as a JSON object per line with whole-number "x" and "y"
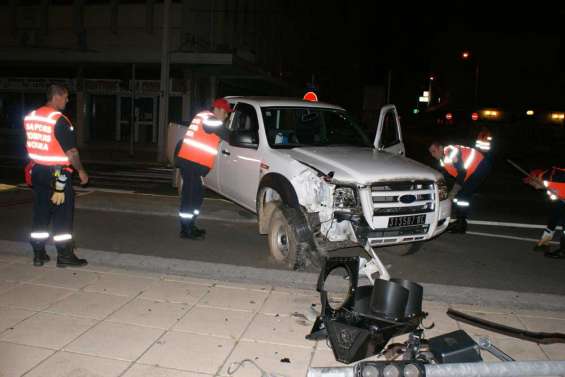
{"x": 59, "y": 183}
{"x": 454, "y": 191}
{"x": 58, "y": 198}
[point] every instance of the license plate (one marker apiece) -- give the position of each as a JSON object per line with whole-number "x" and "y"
{"x": 394, "y": 222}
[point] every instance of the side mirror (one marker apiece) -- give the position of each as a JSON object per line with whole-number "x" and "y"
{"x": 244, "y": 139}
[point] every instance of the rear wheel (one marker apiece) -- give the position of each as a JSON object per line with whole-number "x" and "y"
{"x": 282, "y": 239}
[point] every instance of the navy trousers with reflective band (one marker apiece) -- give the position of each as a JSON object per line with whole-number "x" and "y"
{"x": 192, "y": 194}
{"x": 44, "y": 211}
{"x": 471, "y": 186}
{"x": 556, "y": 215}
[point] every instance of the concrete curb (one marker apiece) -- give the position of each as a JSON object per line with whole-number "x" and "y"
{"x": 479, "y": 297}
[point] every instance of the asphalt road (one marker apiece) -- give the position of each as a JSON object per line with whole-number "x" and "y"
{"x": 495, "y": 254}
{"x": 482, "y": 261}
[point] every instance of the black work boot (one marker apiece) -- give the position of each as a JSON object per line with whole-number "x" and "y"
{"x": 559, "y": 253}
{"x": 190, "y": 232}
{"x": 197, "y": 230}
{"x": 40, "y": 256}
{"x": 543, "y": 248}
{"x": 184, "y": 229}
{"x": 67, "y": 258}
{"x": 459, "y": 226}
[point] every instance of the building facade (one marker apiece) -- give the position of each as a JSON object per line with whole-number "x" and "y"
{"x": 110, "y": 54}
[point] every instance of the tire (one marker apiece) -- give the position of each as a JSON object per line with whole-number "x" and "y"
{"x": 265, "y": 216}
{"x": 281, "y": 235}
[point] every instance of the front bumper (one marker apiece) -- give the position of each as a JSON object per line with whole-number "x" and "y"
{"x": 355, "y": 231}
{"x": 435, "y": 224}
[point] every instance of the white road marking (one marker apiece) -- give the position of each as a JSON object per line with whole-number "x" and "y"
{"x": 505, "y": 224}
{"x": 494, "y": 235}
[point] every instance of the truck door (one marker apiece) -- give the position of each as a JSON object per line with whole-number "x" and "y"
{"x": 239, "y": 159}
{"x": 389, "y": 135}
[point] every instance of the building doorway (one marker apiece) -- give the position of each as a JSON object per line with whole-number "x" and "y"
{"x": 146, "y": 115}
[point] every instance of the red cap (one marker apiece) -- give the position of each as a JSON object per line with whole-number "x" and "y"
{"x": 221, "y": 103}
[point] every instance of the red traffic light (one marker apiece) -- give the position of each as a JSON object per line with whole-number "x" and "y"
{"x": 475, "y": 116}
{"x": 448, "y": 116}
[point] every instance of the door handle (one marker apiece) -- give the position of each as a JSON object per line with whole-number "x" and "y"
{"x": 226, "y": 152}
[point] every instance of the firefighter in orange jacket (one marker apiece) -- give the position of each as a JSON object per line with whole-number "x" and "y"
{"x": 51, "y": 147}
{"x": 195, "y": 156}
{"x": 469, "y": 167}
{"x": 553, "y": 182}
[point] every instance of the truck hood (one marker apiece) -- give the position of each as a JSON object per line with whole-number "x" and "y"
{"x": 362, "y": 165}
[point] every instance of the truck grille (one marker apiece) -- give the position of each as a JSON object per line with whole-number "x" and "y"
{"x": 399, "y": 232}
{"x": 402, "y": 198}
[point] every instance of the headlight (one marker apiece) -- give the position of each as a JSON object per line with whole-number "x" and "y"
{"x": 344, "y": 197}
{"x": 442, "y": 189}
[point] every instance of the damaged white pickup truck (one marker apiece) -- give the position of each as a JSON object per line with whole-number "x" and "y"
{"x": 317, "y": 183}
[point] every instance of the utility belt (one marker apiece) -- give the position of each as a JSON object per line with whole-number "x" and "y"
{"x": 60, "y": 175}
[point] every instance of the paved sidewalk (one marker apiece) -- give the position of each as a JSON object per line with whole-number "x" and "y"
{"x": 107, "y": 321}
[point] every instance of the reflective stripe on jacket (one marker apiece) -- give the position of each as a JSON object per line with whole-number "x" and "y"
{"x": 483, "y": 141}
{"x": 41, "y": 144}
{"x": 199, "y": 146}
{"x": 554, "y": 181}
{"x": 470, "y": 159}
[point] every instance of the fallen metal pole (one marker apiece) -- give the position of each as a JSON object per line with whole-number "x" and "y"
{"x": 499, "y": 369}
{"x": 502, "y": 369}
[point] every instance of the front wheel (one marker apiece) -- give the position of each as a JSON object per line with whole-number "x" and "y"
{"x": 282, "y": 239}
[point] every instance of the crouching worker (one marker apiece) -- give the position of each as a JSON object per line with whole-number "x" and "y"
{"x": 469, "y": 168}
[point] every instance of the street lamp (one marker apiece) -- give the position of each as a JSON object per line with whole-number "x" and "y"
{"x": 466, "y": 55}
{"x": 432, "y": 78}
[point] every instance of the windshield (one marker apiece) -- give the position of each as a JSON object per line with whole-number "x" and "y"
{"x": 289, "y": 127}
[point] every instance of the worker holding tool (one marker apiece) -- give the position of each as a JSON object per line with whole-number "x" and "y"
{"x": 469, "y": 167}
{"x": 553, "y": 182}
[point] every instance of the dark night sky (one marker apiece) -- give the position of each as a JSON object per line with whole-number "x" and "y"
{"x": 347, "y": 45}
